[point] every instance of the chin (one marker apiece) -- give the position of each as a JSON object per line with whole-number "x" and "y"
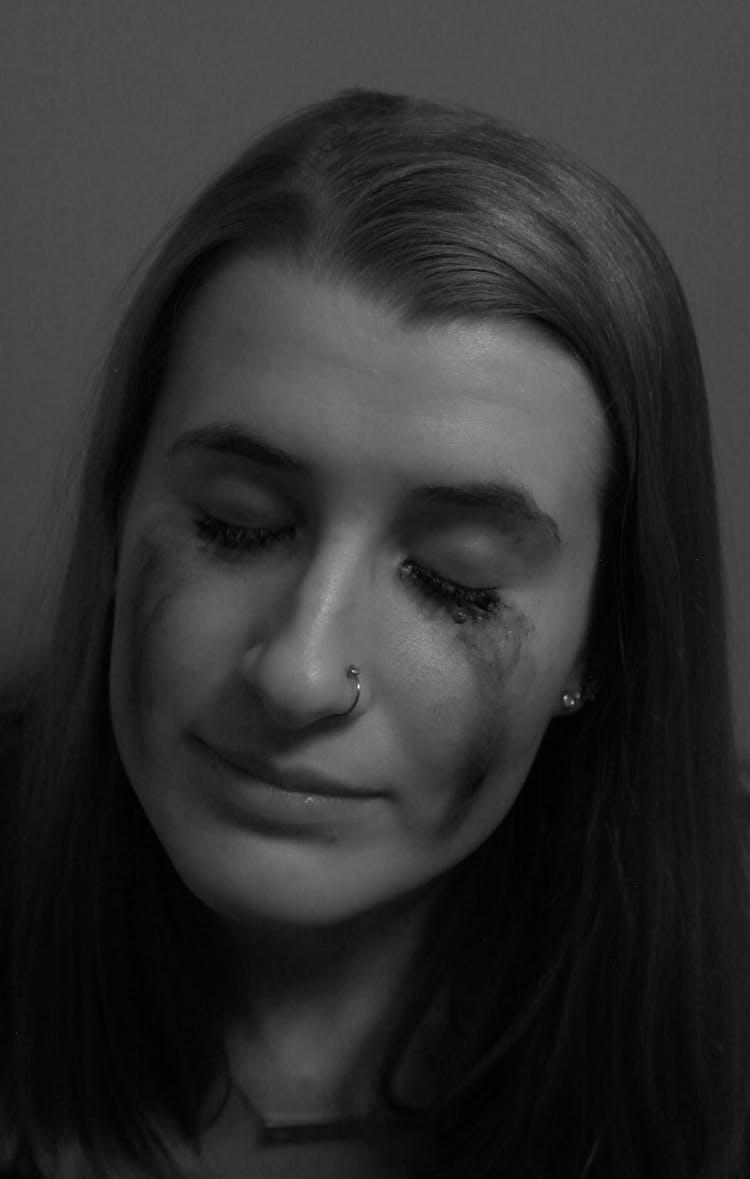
{"x": 266, "y": 881}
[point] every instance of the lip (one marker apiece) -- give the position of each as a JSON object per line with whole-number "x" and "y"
{"x": 308, "y": 783}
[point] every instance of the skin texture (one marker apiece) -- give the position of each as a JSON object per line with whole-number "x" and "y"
{"x": 246, "y": 651}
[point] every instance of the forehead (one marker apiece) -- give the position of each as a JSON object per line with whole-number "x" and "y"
{"x": 337, "y": 376}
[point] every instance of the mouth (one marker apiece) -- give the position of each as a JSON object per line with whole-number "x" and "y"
{"x": 309, "y": 783}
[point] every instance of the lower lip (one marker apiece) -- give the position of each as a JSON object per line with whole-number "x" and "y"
{"x": 270, "y": 807}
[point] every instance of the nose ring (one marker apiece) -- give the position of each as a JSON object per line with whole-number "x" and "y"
{"x": 354, "y": 673}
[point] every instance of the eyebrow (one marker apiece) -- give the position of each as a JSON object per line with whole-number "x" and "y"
{"x": 229, "y": 439}
{"x": 511, "y": 499}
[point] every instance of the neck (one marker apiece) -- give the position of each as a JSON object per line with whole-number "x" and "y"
{"x": 311, "y": 1009}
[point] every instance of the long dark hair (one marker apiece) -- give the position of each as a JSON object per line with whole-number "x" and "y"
{"x": 596, "y": 946}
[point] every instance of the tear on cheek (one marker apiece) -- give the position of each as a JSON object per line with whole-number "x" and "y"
{"x": 502, "y": 676}
{"x": 157, "y": 576}
{"x": 495, "y": 652}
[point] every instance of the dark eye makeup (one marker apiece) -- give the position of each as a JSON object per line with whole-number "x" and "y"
{"x": 235, "y": 540}
{"x": 462, "y": 603}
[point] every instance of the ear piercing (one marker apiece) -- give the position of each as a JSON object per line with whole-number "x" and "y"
{"x": 572, "y": 701}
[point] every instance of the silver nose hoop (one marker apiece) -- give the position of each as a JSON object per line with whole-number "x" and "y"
{"x": 353, "y": 672}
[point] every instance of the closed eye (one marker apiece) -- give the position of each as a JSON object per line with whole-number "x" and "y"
{"x": 236, "y": 539}
{"x": 463, "y": 603}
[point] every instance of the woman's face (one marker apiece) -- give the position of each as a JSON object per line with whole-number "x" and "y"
{"x": 323, "y": 486}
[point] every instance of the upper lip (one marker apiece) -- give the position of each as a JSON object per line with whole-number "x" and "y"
{"x": 293, "y": 779}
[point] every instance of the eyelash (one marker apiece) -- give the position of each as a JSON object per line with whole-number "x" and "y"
{"x": 460, "y": 602}
{"x": 234, "y": 539}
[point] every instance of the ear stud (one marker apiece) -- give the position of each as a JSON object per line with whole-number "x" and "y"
{"x": 571, "y": 701}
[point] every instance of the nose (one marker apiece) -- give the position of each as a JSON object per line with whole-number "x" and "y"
{"x": 300, "y": 665}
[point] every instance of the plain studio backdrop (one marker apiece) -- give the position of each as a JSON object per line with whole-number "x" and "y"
{"x": 113, "y": 115}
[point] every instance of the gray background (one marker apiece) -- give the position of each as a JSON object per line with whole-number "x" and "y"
{"x": 114, "y": 112}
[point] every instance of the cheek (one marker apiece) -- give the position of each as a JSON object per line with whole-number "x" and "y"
{"x": 505, "y": 713}
{"x": 167, "y": 640}
{"x": 475, "y": 719}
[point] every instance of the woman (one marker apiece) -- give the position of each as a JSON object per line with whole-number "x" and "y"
{"x": 379, "y": 808}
